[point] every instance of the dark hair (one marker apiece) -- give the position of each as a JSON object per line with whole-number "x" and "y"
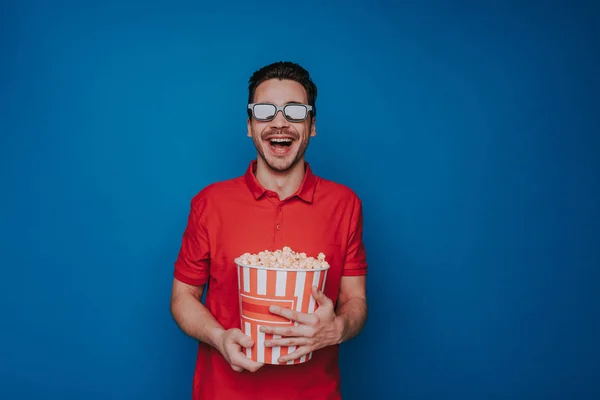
{"x": 284, "y": 70}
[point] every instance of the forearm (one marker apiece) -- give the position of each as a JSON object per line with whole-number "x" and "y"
{"x": 351, "y": 317}
{"x": 195, "y": 319}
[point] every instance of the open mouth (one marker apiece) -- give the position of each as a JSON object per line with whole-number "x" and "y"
{"x": 280, "y": 145}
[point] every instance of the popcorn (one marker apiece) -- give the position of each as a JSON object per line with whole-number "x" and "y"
{"x": 285, "y": 258}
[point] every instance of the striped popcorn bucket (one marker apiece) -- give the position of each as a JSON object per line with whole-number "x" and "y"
{"x": 262, "y": 287}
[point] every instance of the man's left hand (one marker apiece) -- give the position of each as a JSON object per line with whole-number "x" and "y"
{"x": 314, "y": 331}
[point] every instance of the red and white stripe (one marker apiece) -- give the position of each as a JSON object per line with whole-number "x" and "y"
{"x": 261, "y": 288}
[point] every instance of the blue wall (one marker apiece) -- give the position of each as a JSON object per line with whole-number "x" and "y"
{"x": 470, "y": 131}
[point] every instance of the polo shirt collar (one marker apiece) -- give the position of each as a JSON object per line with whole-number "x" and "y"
{"x": 306, "y": 191}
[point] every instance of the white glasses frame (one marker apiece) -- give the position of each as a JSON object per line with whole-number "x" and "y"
{"x": 282, "y": 109}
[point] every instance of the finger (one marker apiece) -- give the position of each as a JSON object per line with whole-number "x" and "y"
{"x": 241, "y": 360}
{"x": 295, "y": 331}
{"x": 293, "y": 341}
{"x": 236, "y": 368}
{"x": 294, "y": 315}
{"x": 242, "y": 339}
{"x": 320, "y": 297}
{"x": 301, "y": 351}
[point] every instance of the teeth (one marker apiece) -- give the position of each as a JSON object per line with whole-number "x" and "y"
{"x": 280, "y": 140}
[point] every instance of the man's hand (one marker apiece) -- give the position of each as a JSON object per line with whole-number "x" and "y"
{"x": 315, "y": 331}
{"x": 230, "y": 345}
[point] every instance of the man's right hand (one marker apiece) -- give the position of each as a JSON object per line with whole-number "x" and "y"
{"x": 232, "y": 345}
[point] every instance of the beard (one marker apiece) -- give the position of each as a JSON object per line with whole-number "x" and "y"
{"x": 285, "y": 162}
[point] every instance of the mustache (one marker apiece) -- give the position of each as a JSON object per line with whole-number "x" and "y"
{"x": 280, "y": 132}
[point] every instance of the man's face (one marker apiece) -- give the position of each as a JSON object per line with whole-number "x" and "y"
{"x": 281, "y": 143}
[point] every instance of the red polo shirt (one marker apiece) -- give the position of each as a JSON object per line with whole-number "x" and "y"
{"x": 239, "y": 216}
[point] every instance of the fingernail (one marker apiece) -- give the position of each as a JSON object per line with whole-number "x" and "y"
{"x": 273, "y": 308}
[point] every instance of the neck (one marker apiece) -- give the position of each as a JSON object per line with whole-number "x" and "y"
{"x": 283, "y": 183}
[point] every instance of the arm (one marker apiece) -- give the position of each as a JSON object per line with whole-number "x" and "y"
{"x": 192, "y": 271}
{"x": 351, "y": 307}
{"x": 324, "y": 327}
{"x": 351, "y": 310}
{"x": 192, "y": 317}
{"x": 196, "y": 321}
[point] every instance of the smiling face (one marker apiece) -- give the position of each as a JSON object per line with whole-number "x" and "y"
{"x": 281, "y": 144}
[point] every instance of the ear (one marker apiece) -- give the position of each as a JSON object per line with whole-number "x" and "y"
{"x": 313, "y": 127}
{"x": 249, "y": 127}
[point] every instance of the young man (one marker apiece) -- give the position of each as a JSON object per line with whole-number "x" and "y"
{"x": 278, "y": 202}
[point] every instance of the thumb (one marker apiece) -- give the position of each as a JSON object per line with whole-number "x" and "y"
{"x": 245, "y": 340}
{"x": 319, "y": 296}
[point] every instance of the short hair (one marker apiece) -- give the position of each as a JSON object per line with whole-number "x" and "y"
{"x": 284, "y": 70}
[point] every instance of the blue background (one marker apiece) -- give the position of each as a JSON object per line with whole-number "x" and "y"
{"x": 469, "y": 130}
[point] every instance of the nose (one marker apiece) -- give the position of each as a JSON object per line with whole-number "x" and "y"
{"x": 279, "y": 121}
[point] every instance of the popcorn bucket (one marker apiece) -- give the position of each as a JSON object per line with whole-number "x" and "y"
{"x": 261, "y": 287}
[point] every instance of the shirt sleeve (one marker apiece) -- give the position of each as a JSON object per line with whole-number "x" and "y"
{"x": 356, "y": 258}
{"x": 193, "y": 261}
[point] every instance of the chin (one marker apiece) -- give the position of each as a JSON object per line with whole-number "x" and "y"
{"x": 281, "y": 164}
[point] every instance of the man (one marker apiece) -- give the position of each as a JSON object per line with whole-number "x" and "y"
{"x": 278, "y": 202}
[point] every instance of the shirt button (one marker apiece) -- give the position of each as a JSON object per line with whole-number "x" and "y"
{"x": 278, "y": 226}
